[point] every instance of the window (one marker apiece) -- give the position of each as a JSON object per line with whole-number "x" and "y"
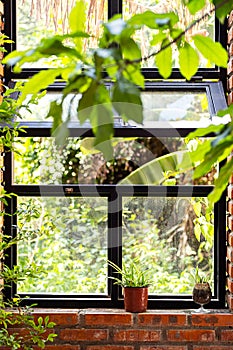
{"x": 79, "y": 210}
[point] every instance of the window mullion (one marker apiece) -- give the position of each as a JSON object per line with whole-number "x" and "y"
{"x": 114, "y": 239}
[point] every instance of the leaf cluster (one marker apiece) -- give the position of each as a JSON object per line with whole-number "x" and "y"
{"x": 118, "y": 59}
{"x": 131, "y": 275}
{"x": 200, "y": 277}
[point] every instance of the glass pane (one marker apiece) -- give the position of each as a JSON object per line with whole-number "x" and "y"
{"x": 159, "y": 105}
{"x": 174, "y": 106}
{"x": 67, "y": 238}
{"x": 170, "y": 237}
{"x": 38, "y": 19}
{"x": 38, "y": 112}
{"x": 144, "y": 36}
{"x": 40, "y": 161}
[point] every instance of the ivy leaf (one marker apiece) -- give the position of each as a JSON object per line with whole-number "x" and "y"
{"x": 211, "y": 50}
{"x": 163, "y": 60}
{"x": 188, "y": 60}
{"x": 194, "y": 5}
{"x": 127, "y": 101}
{"x": 39, "y": 82}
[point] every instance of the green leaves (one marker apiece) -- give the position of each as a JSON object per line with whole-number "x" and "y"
{"x": 163, "y": 60}
{"x": 188, "y": 60}
{"x": 77, "y": 21}
{"x": 127, "y": 101}
{"x": 213, "y": 51}
{"x": 194, "y": 5}
{"x": 223, "y": 8}
{"x": 154, "y": 171}
{"x": 39, "y": 82}
{"x": 154, "y": 20}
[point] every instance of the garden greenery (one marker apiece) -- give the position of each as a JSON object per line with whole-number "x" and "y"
{"x": 118, "y": 58}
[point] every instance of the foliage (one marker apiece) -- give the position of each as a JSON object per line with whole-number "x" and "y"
{"x": 132, "y": 275}
{"x": 119, "y": 55}
{"x": 200, "y": 277}
{"x": 12, "y": 315}
{"x": 117, "y": 59}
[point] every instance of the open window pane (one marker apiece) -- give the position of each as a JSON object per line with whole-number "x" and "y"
{"x": 67, "y": 238}
{"x": 175, "y": 106}
{"x": 39, "y": 19}
{"x": 170, "y": 236}
{"x": 40, "y": 161}
{"x": 144, "y": 36}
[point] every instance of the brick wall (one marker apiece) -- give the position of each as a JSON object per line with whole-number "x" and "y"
{"x": 118, "y": 330}
{"x": 154, "y": 330}
{"x": 230, "y": 187}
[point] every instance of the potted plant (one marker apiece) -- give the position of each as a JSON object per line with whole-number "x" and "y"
{"x": 135, "y": 282}
{"x": 201, "y": 291}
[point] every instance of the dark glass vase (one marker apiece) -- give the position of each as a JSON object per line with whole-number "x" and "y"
{"x": 202, "y": 295}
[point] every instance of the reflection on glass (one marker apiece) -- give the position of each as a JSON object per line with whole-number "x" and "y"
{"x": 174, "y": 106}
{"x": 41, "y": 18}
{"x": 157, "y": 105}
{"x": 40, "y": 161}
{"x": 170, "y": 237}
{"x": 39, "y": 112}
{"x": 67, "y": 238}
{"x": 144, "y": 36}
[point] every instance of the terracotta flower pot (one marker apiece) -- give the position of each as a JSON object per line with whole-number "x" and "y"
{"x": 135, "y": 299}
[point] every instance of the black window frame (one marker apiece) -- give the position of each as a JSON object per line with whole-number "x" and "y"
{"x": 203, "y": 81}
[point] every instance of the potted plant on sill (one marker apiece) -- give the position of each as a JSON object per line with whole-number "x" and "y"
{"x": 201, "y": 291}
{"x": 135, "y": 282}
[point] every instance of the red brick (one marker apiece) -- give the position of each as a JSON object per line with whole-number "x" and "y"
{"x": 190, "y": 335}
{"x": 109, "y": 319}
{"x": 211, "y": 347}
{"x": 230, "y": 191}
{"x": 109, "y": 347}
{"x": 230, "y": 284}
{"x": 162, "y": 319}
{"x": 230, "y": 222}
{"x": 164, "y": 347}
{"x": 230, "y": 206}
{"x": 60, "y": 318}
{"x": 230, "y": 20}
{"x": 231, "y": 179}
{"x": 229, "y": 71}
{"x": 83, "y": 334}
{"x": 230, "y": 253}
{"x": 136, "y": 335}
{"x": 59, "y": 347}
{"x": 229, "y": 299}
{"x": 224, "y": 319}
{"x": 230, "y": 269}
{"x": 230, "y": 35}
{"x": 227, "y": 335}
